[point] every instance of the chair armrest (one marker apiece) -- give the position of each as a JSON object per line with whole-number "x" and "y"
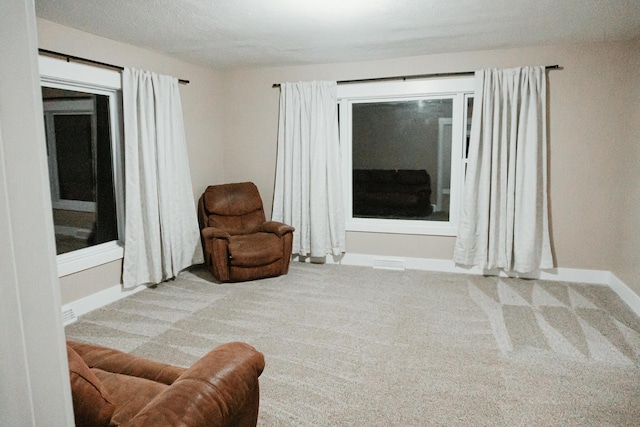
{"x": 276, "y": 227}
{"x": 115, "y": 361}
{"x": 220, "y": 389}
{"x": 215, "y": 233}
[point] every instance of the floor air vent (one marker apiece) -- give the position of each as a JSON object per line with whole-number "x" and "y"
{"x": 389, "y": 264}
{"x": 68, "y": 316}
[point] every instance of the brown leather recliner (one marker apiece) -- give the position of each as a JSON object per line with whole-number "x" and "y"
{"x": 239, "y": 244}
{"x": 111, "y": 388}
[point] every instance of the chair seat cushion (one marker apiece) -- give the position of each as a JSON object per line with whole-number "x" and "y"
{"x": 252, "y": 250}
{"x": 129, "y": 393}
{"x": 92, "y": 405}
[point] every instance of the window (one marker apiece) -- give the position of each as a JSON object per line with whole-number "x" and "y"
{"x": 82, "y": 113}
{"x": 404, "y": 149}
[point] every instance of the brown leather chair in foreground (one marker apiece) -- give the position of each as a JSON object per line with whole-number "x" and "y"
{"x": 111, "y": 388}
{"x": 239, "y": 244}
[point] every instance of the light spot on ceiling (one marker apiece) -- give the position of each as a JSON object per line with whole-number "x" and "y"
{"x": 250, "y": 33}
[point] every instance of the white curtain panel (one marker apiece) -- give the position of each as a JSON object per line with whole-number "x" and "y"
{"x": 504, "y": 219}
{"x": 308, "y": 190}
{"x": 161, "y": 229}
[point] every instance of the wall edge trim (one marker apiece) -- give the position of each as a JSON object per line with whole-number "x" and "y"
{"x": 625, "y": 293}
{"x": 100, "y": 299}
{"x": 595, "y": 277}
{"x": 578, "y": 275}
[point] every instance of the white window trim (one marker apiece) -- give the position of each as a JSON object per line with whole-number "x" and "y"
{"x": 81, "y": 74}
{"x": 456, "y": 88}
{"x": 93, "y": 256}
{"x": 60, "y": 74}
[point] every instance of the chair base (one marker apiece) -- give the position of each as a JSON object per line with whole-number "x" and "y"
{"x": 244, "y": 274}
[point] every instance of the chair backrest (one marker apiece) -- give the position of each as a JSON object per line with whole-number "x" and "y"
{"x": 236, "y": 207}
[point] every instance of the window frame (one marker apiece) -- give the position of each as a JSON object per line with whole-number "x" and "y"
{"x": 458, "y": 89}
{"x": 72, "y": 107}
{"x": 60, "y": 74}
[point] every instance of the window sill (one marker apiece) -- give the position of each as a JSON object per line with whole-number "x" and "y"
{"x": 431, "y": 228}
{"x": 84, "y": 259}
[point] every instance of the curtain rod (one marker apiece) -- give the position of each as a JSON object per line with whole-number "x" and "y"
{"x": 417, "y": 76}
{"x": 90, "y": 61}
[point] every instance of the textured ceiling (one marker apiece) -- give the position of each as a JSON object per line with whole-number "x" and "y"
{"x": 237, "y": 33}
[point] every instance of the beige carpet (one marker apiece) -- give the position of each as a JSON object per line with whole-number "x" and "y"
{"x": 356, "y": 346}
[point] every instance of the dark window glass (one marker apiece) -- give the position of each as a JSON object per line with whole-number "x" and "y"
{"x": 79, "y": 149}
{"x": 401, "y": 152}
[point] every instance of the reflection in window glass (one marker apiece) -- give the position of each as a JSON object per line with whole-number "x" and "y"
{"x": 74, "y": 156}
{"x": 401, "y": 159}
{"x": 469, "y": 115}
{"x": 79, "y": 151}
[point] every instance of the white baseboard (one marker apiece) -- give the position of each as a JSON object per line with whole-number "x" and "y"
{"x": 97, "y": 300}
{"x": 625, "y": 293}
{"x": 448, "y": 266}
{"x": 594, "y": 277}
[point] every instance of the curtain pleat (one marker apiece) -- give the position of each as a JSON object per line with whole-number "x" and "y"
{"x": 161, "y": 228}
{"x": 504, "y": 218}
{"x": 308, "y": 188}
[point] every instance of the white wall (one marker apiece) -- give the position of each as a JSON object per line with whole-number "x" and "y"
{"x": 231, "y": 123}
{"x": 34, "y": 378}
{"x": 588, "y": 112}
{"x": 594, "y": 148}
{"x": 201, "y": 102}
{"x": 627, "y": 246}
{"x": 202, "y": 109}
